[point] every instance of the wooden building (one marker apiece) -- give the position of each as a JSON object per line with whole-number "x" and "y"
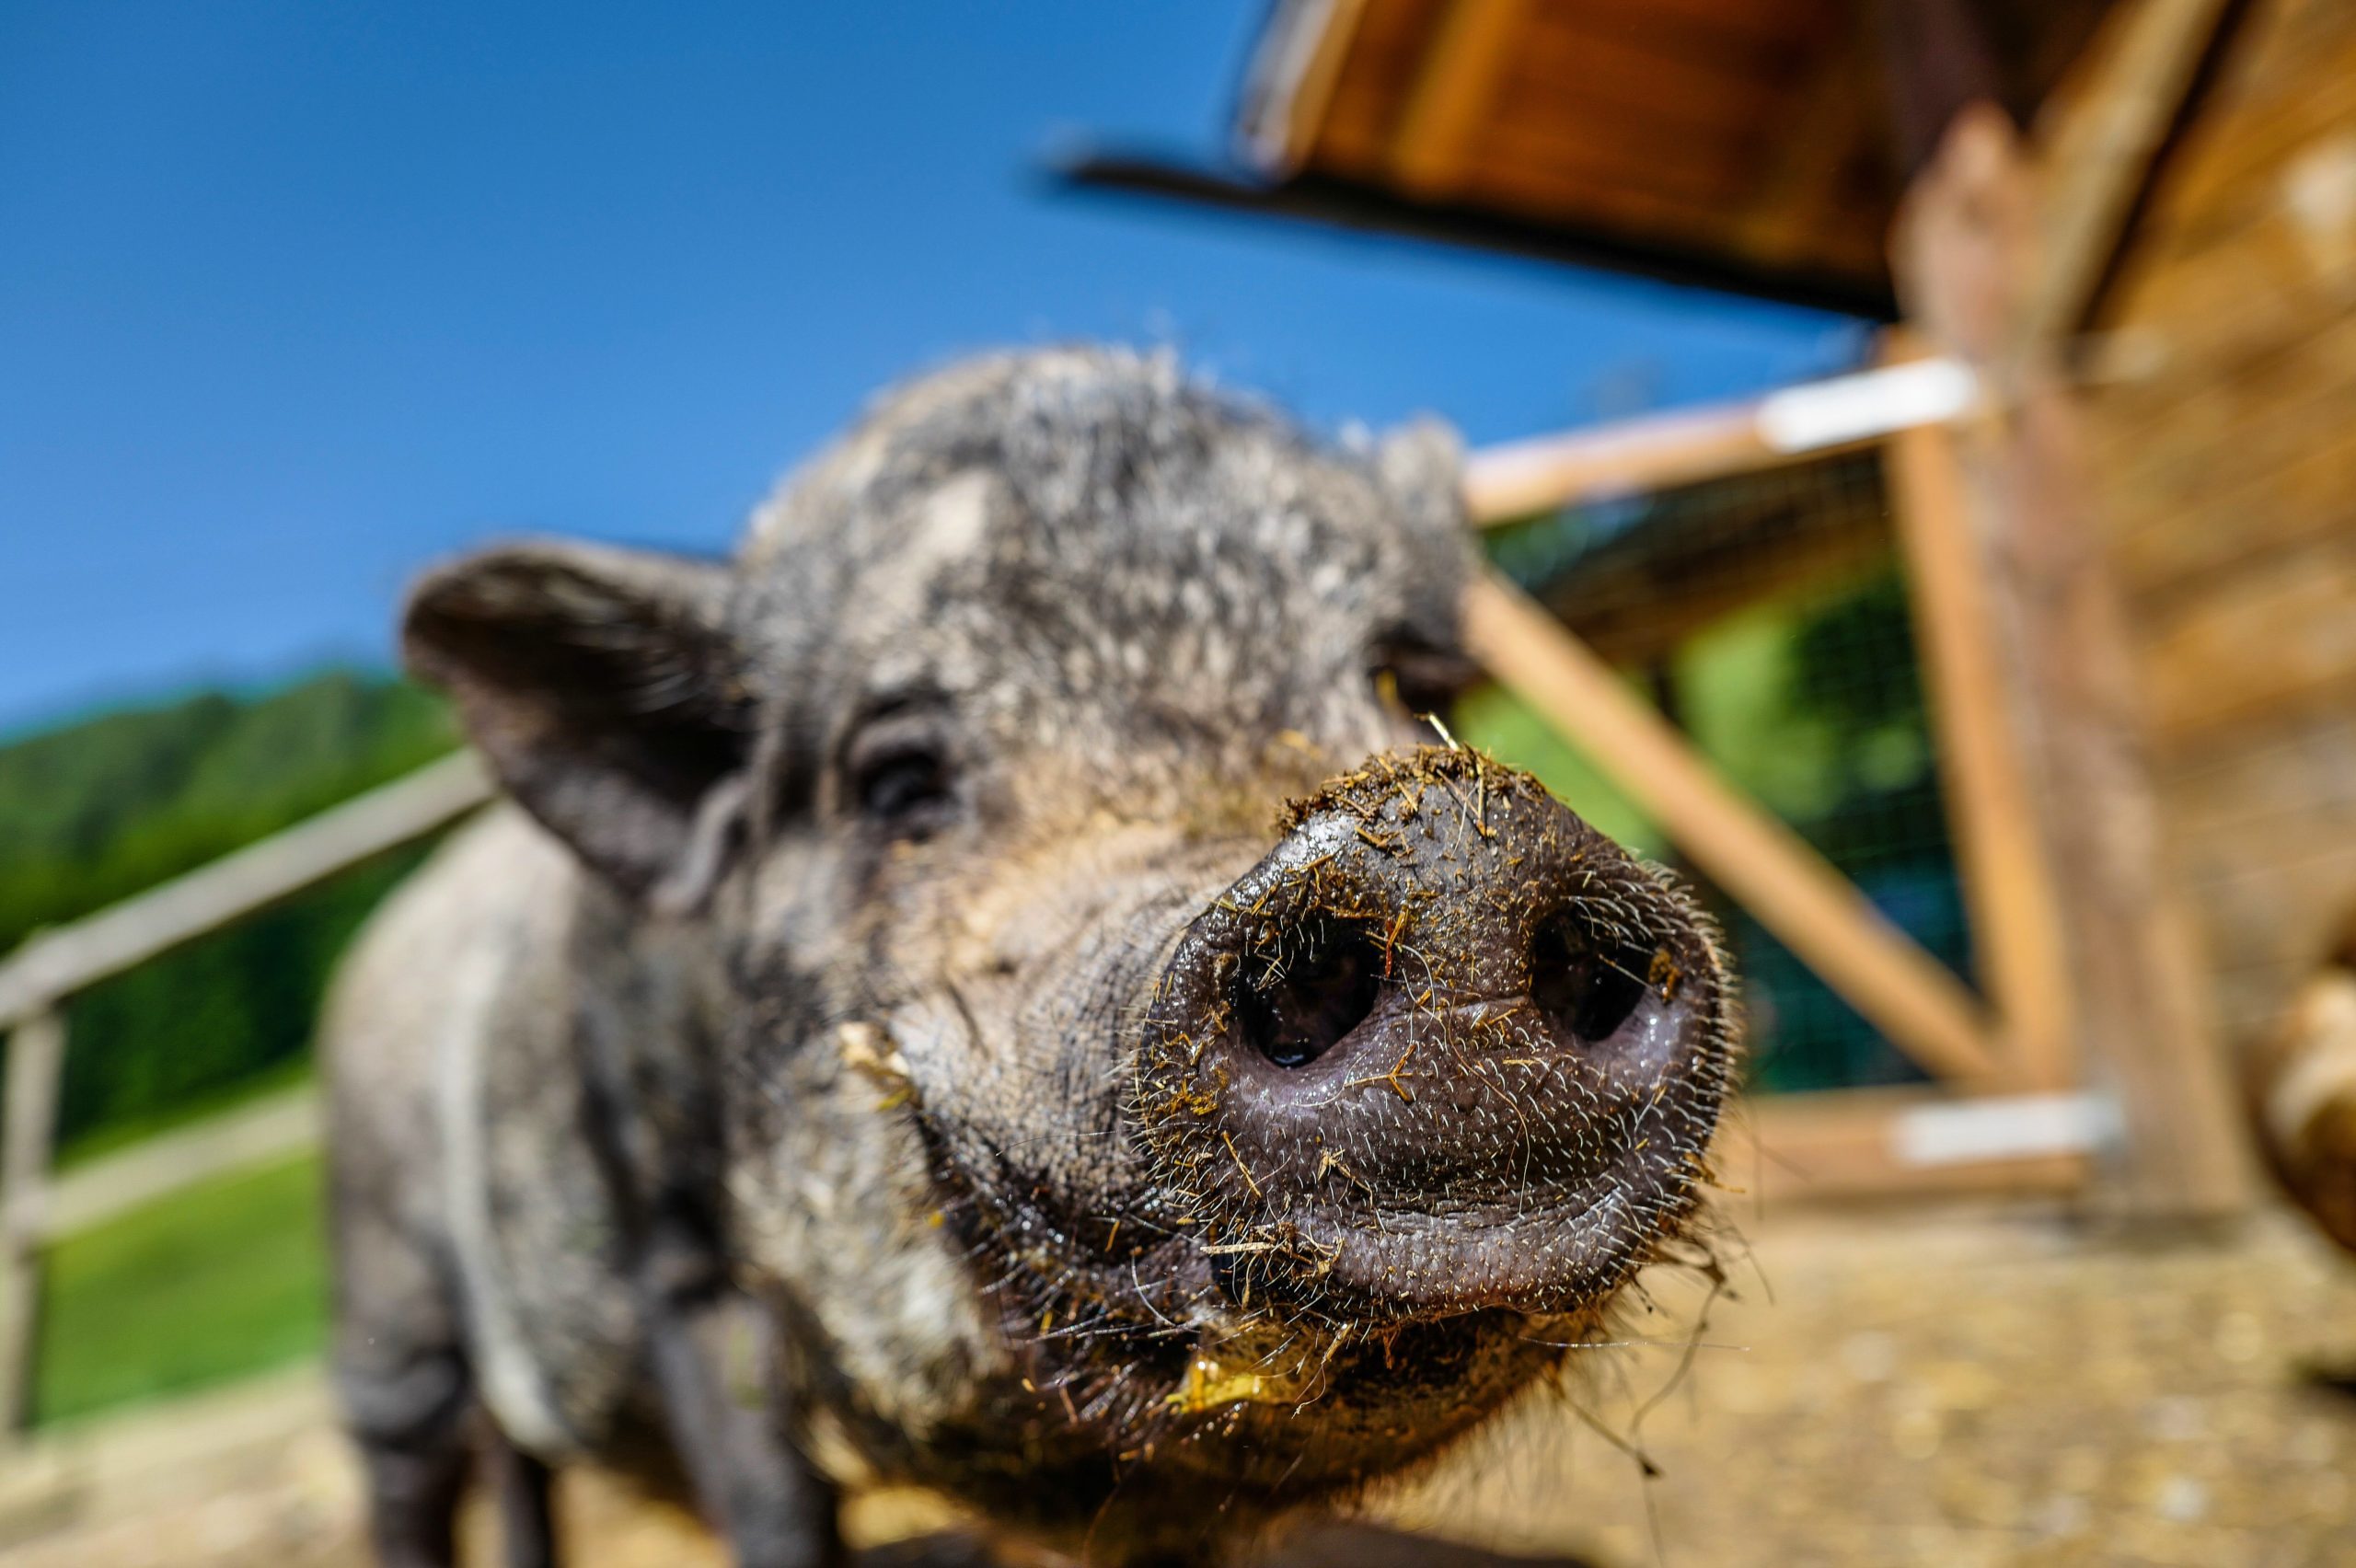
{"x": 2130, "y": 226}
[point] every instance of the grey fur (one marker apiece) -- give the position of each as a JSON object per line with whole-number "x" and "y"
{"x": 694, "y": 1030}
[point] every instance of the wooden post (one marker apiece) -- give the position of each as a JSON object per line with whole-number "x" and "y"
{"x": 1820, "y": 914}
{"x": 1968, "y": 262}
{"x": 2017, "y": 933}
{"x": 36, "y": 1060}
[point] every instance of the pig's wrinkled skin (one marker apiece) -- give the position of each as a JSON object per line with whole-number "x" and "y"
{"x": 902, "y": 1030}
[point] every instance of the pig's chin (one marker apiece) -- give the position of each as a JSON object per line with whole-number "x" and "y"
{"x": 1290, "y": 1411}
{"x": 1156, "y": 1345}
{"x": 1315, "y": 1383}
{"x": 1138, "y": 1349}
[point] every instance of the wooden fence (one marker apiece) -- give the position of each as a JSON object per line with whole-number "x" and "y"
{"x": 2031, "y": 1091}
{"x": 37, "y": 1207}
{"x": 2007, "y": 1109}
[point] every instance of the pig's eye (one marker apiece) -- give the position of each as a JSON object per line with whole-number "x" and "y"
{"x": 1420, "y": 677}
{"x": 903, "y": 785}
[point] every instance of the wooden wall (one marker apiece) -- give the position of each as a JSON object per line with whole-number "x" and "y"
{"x": 2224, "y": 437}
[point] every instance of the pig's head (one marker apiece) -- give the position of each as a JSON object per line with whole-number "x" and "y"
{"x": 1160, "y": 1078}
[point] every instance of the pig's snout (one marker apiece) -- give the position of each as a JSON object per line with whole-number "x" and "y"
{"x": 1445, "y": 1047}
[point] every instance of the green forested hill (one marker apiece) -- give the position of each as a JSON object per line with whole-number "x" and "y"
{"x": 96, "y": 810}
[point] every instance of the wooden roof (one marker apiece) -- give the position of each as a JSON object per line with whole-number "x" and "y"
{"x": 1765, "y": 140}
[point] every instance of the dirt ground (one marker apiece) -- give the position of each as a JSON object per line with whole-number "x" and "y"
{"x": 1907, "y": 1386}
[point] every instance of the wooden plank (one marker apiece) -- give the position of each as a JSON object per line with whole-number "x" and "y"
{"x": 2171, "y": 551}
{"x": 2286, "y": 92}
{"x": 56, "y": 964}
{"x": 1575, "y": 79}
{"x": 2007, "y": 885}
{"x": 2264, "y": 833}
{"x": 2285, "y": 387}
{"x": 2292, "y": 777}
{"x": 2237, "y": 287}
{"x": 2226, "y": 472}
{"x": 36, "y": 1064}
{"x": 1554, "y": 166}
{"x": 2097, "y": 161}
{"x": 2266, "y": 643}
{"x": 2269, "y": 447}
{"x": 284, "y": 1123}
{"x": 1854, "y": 1145}
{"x": 1735, "y": 35}
{"x": 1522, "y": 479}
{"x": 1902, "y": 990}
{"x": 1444, "y": 111}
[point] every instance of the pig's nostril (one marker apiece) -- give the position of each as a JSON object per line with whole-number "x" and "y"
{"x": 1294, "y": 1005}
{"x": 1583, "y": 979}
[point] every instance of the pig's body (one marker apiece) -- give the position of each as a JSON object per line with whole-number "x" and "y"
{"x": 897, "y": 1048}
{"x": 469, "y": 1189}
{"x": 502, "y": 1128}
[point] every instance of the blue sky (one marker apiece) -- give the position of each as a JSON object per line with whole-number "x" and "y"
{"x": 295, "y": 297}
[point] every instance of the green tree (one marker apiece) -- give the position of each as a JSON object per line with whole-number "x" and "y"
{"x": 95, "y": 811}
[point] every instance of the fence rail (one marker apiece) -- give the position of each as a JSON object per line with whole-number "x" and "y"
{"x": 54, "y": 965}
{"x": 37, "y": 1206}
{"x": 283, "y": 1124}
{"x": 1841, "y": 413}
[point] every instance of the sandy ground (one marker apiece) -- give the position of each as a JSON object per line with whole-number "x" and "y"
{"x": 1906, "y": 1387}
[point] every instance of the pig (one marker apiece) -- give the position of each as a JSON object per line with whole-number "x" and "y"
{"x": 996, "y": 987}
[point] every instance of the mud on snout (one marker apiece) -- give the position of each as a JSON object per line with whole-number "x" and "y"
{"x": 1447, "y": 1047}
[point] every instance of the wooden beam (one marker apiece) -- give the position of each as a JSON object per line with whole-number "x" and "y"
{"x": 36, "y": 1064}
{"x": 1522, "y": 479}
{"x": 54, "y": 965}
{"x": 1433, "y": 145}
{"x": 2104, "y": 148}
{"x": 2023, "y": 959}
{"x": 1861, "y": 1144}
{"x": 1966, "y": 255}
{"x": 1821, "y": 916}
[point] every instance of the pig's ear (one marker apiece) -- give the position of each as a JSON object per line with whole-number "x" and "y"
{"x": 1422, "y": 463}
{"x": 603, "y": 685}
